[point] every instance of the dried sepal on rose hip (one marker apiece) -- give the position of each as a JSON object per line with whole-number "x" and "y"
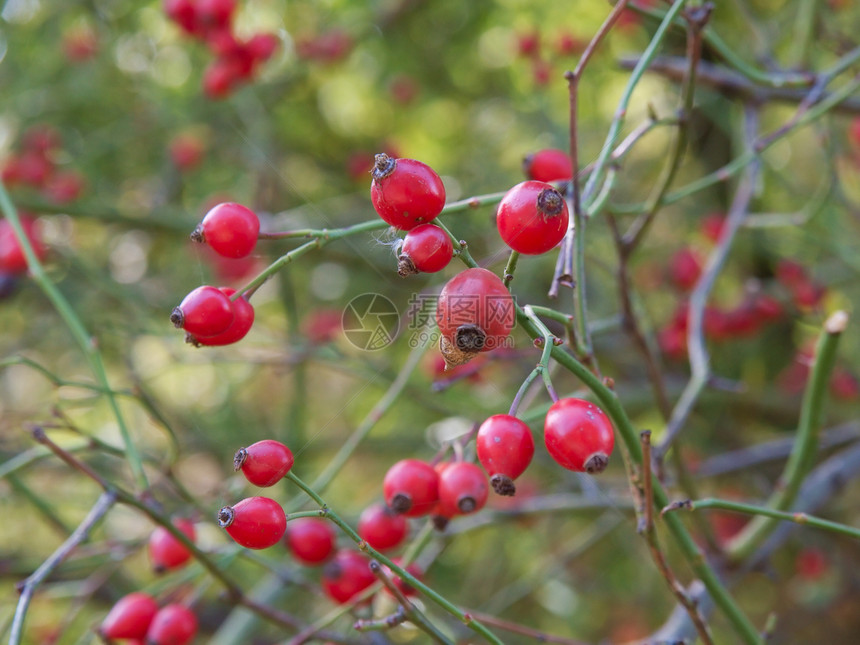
{"x": 264, "y": 463}
{"x": 255, "y": 522}
{"x": 532, "y": 218}
{"x": 405, "y": 192}
{"x": 463, "y": 489}
{"x": 505, "y": 448}
{"x": 411, "y": 487}
{"x": 578, "y": 435}
{"x": 426, "y": 249}
{"x": 475, "y": 313}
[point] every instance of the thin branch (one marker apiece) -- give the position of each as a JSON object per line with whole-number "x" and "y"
{"x": 28, "y": 587}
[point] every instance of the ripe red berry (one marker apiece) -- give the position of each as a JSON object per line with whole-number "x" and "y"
{"x": 411, "y": 487}
{"x": 532, "y": 217}
{"x": 463, "y": 489}
{"x": 382, "y": 528}
{"x": 173, "y": 625}
{"x": 505, "y": 449}
{"x": 130, "y": 617}
{"x": 347, "y": 575}
{"x": 578, "y": 435}
{"x": 215, "y": 14}
{"x": 405, "y": 588}
{"x": 206, "y": 311}
{"x": 230, "y": 229}
{"x": 255, "y": 522}
{"x": 311, "y": 540}
{"x": 475, "y": 313}
{"x": 685, "y": 267}
{"x": 261, "y": 46}
{"x": 219, "y": 78}
{"x": 426, "y": 249}
{"x": 183, "y": 13}
{"x": 406, "y": 192}
{"x": 264, "y": 463}
{"x": 243, "y": 320}
{"x": 12, "y": 259}
{"x": 548, "y": 165}
{"x": 165, "y": 551}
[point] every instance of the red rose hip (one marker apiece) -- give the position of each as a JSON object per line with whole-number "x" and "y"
{"x": 548, "y": 165}
{"x": 165, "y": 551}
{"x": 347, "y": 575}
{"x": 173, "y": 625}
{"x": 578, "y": 435}
{"x": 243, "y": 320}
{"x": 206, "y": 311}
{"x": 264, "y": 463}
{"x": 505, "y": 449}
{"x": 255, "y": 522}
{"x": 130, "y": 617}
{"x": 463, "y": 489}
{"x": 382, "y": 528}
{"x": 426, "y": 249}
{"x": 230, "y": 229}
{"x": 411, "y": 487}
{"x": 532, "y": 217}
{"x": 311, "y": 540}
{"x": 406, "y": 192}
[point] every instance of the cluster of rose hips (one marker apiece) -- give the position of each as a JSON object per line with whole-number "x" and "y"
{"x": 217, "y": 316}
{"x": 529, "y": 46}
{"x": 136, "y": 618}
{"x": 236, "y": 61}
{"x": 33, "y": 166}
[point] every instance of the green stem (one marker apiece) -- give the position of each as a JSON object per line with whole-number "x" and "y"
{"x": 548, "y": 344}
{"x": 88, "y": 344}
{"x": 806, "y": 444}
{"x": 750, "y": 509}
{"x": 510, "y": 267}
{"x": 440, "y": 600}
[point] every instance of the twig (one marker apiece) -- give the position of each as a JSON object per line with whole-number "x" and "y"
{"x": 805, "y": 447}
{"x": 28, "y": 587}
{"x": 515, "y": 628}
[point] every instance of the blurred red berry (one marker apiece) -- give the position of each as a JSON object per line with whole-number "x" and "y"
{"x": 811, "y": 564}
{"x": 567, "y": 44}
{"x": 548, "y": 165}
{"x": 64, "y": 187}
{"x": 844, "y": 385}
{"x": 174, "y": 624}
{"x": 528, "y": 43}
{"x": 311, "y": 540}
{"x": 165, "y": 551}
{"x": 12, "y": 259}
{"x": 80, "y": 44}
{"x": 712, "y": 226}
{"x": 261, "y": 46}
{"x": 130, "y": 617}
{"x": 347, "y": 575}
{"x": 186, "y": 151}
{"x": 541, "y": 72}
{"x": 322, "y": 326}
{"x": 685, "y": 268}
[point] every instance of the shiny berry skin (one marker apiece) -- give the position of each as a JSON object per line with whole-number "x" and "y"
{"x": 411, "y": 487}
{"x": 165, "y": 551}
{"x": 130, "y": 617}
{"x": 255, "y": 522}
{"x": 206, "y": 311}
{"x": 475, "y": 313}
{"x": 12, "y": 259}
{"x": 463, "y": 489}
{"x": 532, "y": 217}
{"x": 505, "y": 449}
{"x": 264, "y": 463}
{"x": 230, "y": 229}
{"x": 347, "y": 575}
{"x": 173, "y": 625}
{"x": 578, "y": 435}
{"x": 426, "y": 249}
{"x": 311, "y": 540}
{"x": 243, "y": 320}
{"x": 406, "y": 192}
{"x": 382, "y": 528}
{"x": 548, "y": 165}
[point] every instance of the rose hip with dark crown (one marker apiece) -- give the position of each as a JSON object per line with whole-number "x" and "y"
{"x": 411, "y": 487}
{"x": 230, "y": 229}
{"x": 206, "y": 311}
{"x": 406, "y": 192}
{"x": 426, "y": 249}
{"x": 255, "y": 522}
{"x": 463, "y": 489}
{"x": 505, "y": 449}
{"x": 578, "y": 435}
{"x": 264, "y": 463}
{"x": 532, "y": 217}
{"x": 243, "y": 320}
